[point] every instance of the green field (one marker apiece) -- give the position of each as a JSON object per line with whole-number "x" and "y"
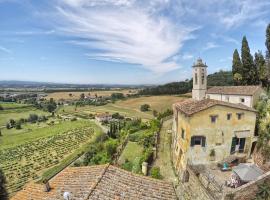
{"x": 25, "y": 156}
{"x": 11, "y": 105}
{"x": 18, "y": 111}
{"x": 127, "y": 108}
{"x": 131, "y": 152}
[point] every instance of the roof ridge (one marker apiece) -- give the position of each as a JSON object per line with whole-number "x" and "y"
{"x": 98, "y": 181}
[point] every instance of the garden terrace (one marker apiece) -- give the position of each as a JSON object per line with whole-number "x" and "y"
{"x": 99, "y": 182}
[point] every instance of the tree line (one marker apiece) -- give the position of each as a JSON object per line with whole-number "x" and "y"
{"x": 183, "y": 87}
{"x": 249, "y": 70}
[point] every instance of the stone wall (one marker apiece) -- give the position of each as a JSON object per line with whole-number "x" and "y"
{"x": 193, "y": 189}
{"x": 249, "y": 190}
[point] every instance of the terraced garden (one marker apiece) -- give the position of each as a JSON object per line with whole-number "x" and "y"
{"x": 32, "y": 156}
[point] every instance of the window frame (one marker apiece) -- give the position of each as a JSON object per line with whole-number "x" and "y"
{"x": 242, "y": 100}
{"x": 229, "y": 116}
{"x": 239, "y": 116}
{"x": 183, "y": 133}
{"x": 198, "y": 137}
{"x": 215, "y": 117}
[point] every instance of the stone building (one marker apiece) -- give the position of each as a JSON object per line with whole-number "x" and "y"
{"x": 246, "y": 95}
{"x": 207, "y": 130}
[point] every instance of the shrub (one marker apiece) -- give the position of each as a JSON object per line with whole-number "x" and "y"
{"x": 8, "y": 126}
{"x": 110, "y": 146}
{"x": 127, "y": 165}
{"x": 155, "y": 173}
{"x": 33, "y": 118}
{"x": 12, "y": 123}
{"x": 18, "y": 126}
{"x": 3, "y": 191}
{"x": 145, "y": 107}
{"x": 1, "y": 107}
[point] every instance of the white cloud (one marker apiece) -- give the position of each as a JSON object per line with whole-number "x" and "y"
{"x": 210, "y": 45}
{"x": 6, "y": 50}
{"x": 129, "y": 34}
{"x": 187, "y": 56}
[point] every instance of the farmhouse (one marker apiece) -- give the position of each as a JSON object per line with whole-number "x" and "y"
{"x": 103, "y": 117}
{"x": 212, "y": 133}
{"x": 98, "y": 182}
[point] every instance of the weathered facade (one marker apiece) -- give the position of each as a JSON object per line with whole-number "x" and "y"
{"x": 213, "y": 124}
{"x": 208, "y": 131}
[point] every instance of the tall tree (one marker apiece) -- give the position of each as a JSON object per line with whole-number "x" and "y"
{"x": 260, "y": 65}
{"x": 267, "y": 44}
{"x": 248, "y": 68}
{"x": 236, "y": 68}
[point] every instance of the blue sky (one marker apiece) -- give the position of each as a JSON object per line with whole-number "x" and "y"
{"x": 124, "y": 41}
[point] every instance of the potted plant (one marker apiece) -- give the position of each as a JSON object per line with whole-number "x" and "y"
{"x": 212, "y": 155}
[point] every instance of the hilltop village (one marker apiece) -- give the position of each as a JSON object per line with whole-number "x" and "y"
{"x": 212, "y": 154}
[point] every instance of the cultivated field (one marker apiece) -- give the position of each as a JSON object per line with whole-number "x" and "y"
{"x": 25, "y": 156}
{"x": 76, "y": 95}
{"x": 17, "y": 111}
{"x": 128, "y": 108}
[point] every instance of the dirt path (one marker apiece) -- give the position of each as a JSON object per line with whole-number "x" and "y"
{"x": 163, "y": 160}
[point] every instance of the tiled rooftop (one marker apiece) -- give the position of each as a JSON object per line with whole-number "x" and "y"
{"x": 104, "y": 182}
{"x": 192, "y": 106}
{"x": 234, "y": 90}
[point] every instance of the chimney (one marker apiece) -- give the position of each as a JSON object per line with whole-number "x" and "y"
{"x": 46, "y": 186}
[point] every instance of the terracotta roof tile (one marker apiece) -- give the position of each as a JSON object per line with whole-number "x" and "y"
{"x": 102, "y": 182}
{"x": 234, "y": 90}
{"x": 192, "y": 106}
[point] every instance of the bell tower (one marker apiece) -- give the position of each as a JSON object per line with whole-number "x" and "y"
{"x": 199, "y": 80}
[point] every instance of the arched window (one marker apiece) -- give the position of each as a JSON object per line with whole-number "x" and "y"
{"x": 198, "y": 140}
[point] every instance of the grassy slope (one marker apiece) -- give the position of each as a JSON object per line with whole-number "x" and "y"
{"x": 131, "y": 152}
{"x": 8, "y": 105}
{"x": 13, "y": 137}
{"x": 129, "y": 107}
{"x": 17, "y": 113}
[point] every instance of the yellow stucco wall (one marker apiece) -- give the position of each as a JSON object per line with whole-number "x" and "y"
{"x": 200, "y": 124}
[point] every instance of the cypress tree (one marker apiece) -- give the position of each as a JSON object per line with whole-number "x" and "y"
{"x": 248, "y": 68}
{"x": 236, "y": 68}
{"x": 267, "y": 44}
{"x": 260, "y": 64}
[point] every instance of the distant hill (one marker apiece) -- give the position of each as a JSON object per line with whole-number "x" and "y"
{"x": 216, "y": 79}
{"x": 53, "y": 87}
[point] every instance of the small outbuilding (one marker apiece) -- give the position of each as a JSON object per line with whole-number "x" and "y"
{"x": 247, "y": 172}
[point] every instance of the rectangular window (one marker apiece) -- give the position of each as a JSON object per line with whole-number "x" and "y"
{"x": 242, "y": 100}
{"x": 198, "y": 140}
{"x": 214, "y": 118}
{"x": 239, "y": 115}
{"x": 196, "y": 79}
{"x": 183, "y": 133}
{"x": 229, "y": 116}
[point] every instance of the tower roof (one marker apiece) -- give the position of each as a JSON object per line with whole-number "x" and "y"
{"x": 199, "y": 63}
